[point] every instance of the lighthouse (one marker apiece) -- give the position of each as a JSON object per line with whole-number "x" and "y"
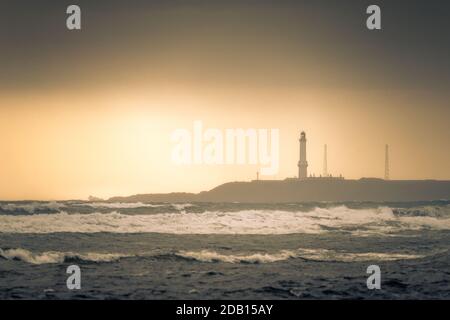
{"x": 302, "y": 163}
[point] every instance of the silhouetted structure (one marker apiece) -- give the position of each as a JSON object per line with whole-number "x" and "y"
{"x": 313, "y": 188}
{"x": 302, "y": 163}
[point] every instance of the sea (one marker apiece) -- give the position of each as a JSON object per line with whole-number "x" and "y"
{"x": 311, "y": 250}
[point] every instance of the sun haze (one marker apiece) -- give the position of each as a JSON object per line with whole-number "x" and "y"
{"x": 92, "y": 111}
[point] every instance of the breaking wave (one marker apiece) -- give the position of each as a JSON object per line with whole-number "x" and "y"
{"x": 55, "y": 207}
{"x": 57, "y": 257}
{"x": 424, "y": 211}
{"x": 307, "y": 254}
{"x": 181, "y": 206}
{"x": 53, "y": 257}
{"x": 34, "y": 207}
{"x": 122, "y": 205}
{"x": 373, "y": 221}
{"x": 135, "y": 205}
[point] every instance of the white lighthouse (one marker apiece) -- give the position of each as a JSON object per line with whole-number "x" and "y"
{"x": 302, "y": 164}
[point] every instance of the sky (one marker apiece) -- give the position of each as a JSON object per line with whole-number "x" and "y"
{"x": 91, "y": 112}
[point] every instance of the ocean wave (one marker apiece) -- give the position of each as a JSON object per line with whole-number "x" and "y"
{"x": 307, "y": 254}
{"x": 213, "y": 256}
{"x": 324, "y": 255}
{"x": 58, "y": 257}
{"x": 33, "y": 207}
{"x": 136, "y": 205}
{"x": 56, "y": 207}
{"x": 182, "y": 206}
{"x": 320, "y": 220}
{"x": 122, "y": 205}
{"x": 442, "y": 211}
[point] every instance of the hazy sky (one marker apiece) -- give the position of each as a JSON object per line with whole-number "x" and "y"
{"x": 91, "y": 111}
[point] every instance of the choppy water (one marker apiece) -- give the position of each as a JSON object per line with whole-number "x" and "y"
{"x": 224, "y": 251}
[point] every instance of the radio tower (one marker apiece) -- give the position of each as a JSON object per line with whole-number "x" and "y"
{"x": 325, "y": 167}
{"x": 386, "y": 163}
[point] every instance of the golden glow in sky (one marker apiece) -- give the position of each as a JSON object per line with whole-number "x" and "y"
{"x": 91, "y": 113}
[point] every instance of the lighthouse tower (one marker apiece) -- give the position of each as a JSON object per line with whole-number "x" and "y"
{"x": 302, "y": 164}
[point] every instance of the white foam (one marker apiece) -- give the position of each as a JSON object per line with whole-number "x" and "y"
{"x": 213, "y": 256}
{"x": 319, "y": 220}
{"x": 56, "y": 256}
{"x": 122, "y": 205}
{"x": 52, "y": 257}
{"x": 310, "y": 254}
{"x": 181, "y": 206}
{"x": 134, "y": 205}
{"x": 441, "y": 211}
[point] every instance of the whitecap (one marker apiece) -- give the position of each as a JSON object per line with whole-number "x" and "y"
{"x": 308, "y": 254}
{"x": 57, "y": 257}
{"x": 378, "y": 221}
{"x": 123, "y": 205}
